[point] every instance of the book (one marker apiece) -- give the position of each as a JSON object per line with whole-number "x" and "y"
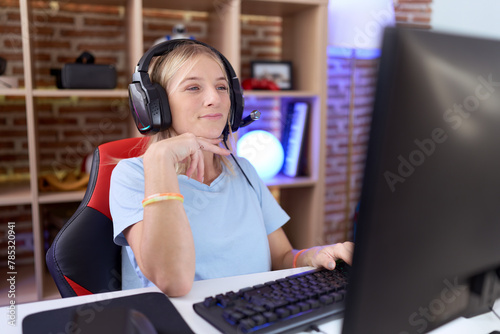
{"x": 294, "y": 137}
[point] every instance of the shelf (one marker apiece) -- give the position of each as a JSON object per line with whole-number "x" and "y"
{"x": 80, "y": 93}
{"x": 61, "y": 197}
{"x": 99, "y": 2}
{"x": 248, "y": 7}
{"x": 278, "y": 7}
{"x": 14, "y": 193}
{"x": 185, "y": 5}
{"x": 67, "y": 92}
{"x": 284, "y": 181}
{"x": 279, "y": 93}
{"x": 13, "y": 92}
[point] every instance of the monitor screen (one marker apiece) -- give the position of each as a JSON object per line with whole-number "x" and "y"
{"x": 428, "y": 231}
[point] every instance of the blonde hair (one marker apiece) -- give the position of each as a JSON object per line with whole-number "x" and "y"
{"x": 163, "y": 68}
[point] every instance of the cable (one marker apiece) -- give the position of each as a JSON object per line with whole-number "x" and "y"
{"x": 246, "y": 177}
{"x": 254, "y": 115}
{"x": 316, "y": 329}
{"x": 494, "y": 312}
{"x": 5, "y": 84}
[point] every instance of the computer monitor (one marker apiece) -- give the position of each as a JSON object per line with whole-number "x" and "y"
{"x": 428, "y": 231}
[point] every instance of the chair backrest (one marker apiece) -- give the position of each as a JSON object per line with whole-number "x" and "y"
{"x": 83, "y": 259}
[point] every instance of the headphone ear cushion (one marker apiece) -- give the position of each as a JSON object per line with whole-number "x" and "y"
{"x": 162, "y": 112}
{"x": 237, "y": 106}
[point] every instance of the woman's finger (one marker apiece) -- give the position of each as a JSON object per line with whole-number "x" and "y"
{"x": 193, "y": 162}
{"x": 211, "y": 145}
{"x": 344, "y": 252}
{"x": 327, "y": 255}
{"x": 201, "y": 164}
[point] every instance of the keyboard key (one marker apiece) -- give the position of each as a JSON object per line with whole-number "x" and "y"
{"x": 269, "y": 305}
{"x": 282, "y": 312}
{"x": 270, "y": 316}
{"x": 259, "y": 319}
{"x": 248, "y": 312}
{"x": 224, "y": 301}
{"x": 246, "y": 324}
{"x": 304, "y": 306}
{"x": 232, "y": 316}
{"x": 209, "y": 302}
{"x": 257, "y": 308}
{"x": 243, "y": 290}
{"x": 313, "y": 302}
{"x": 232, "y": 295}
{"x": 293, "y": 309}
{"x": 337, "y": 296}
{"x": 280, "y": 303}
{"x": 326, "y": 299}
{"x": 301, "y": 297}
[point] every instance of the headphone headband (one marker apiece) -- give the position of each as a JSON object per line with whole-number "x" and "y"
{"x": 149, "y": 102}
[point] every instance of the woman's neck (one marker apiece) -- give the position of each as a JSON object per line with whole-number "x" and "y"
{"x": 213, "y": 168}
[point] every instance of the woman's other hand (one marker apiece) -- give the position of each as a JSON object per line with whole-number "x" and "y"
{"x": 325, "y": 256}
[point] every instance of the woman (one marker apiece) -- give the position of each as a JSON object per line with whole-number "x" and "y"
{"x": 184, "y": 210}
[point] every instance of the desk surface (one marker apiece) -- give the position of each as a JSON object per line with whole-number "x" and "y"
{"x": 483, "y": 324}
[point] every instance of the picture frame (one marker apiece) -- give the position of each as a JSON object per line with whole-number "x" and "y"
{"x": 280, "y": 72}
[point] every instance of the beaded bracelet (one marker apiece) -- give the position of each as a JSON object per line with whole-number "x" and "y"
{"x": 161, "y": 197}
{"x": 295, "y": 258}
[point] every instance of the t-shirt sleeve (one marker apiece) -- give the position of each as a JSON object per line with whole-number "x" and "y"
{"x": 274, "y": 215}
{"x": 126, "y": 193}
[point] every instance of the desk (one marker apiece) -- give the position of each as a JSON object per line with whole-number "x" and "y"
{"x": 483, "y": 324}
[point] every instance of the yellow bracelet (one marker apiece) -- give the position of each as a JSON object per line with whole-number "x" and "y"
{"x": 161, "y": 197}
{"x": 296, "y": 257}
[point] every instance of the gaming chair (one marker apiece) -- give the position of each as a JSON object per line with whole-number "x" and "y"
{"x": 83, "y": 259}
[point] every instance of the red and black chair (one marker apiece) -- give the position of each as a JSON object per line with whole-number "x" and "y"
{"x": 83, "y": 259}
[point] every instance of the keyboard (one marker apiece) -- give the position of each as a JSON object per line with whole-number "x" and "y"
{"x": 289, "y": 304}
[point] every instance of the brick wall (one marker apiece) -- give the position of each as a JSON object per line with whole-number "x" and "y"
{"x": 413, "y": 13}
{"x": 339, "y": 206}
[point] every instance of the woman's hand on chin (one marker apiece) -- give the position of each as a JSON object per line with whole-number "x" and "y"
{"x": 186, "y": 148}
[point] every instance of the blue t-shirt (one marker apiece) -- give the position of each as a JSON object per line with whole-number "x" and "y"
{"x": 229, "y": 220}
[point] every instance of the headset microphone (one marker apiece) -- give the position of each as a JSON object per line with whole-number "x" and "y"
{"x": 254, "y": 115}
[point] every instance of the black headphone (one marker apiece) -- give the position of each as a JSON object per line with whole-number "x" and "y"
{"x": 149, "y": 103}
